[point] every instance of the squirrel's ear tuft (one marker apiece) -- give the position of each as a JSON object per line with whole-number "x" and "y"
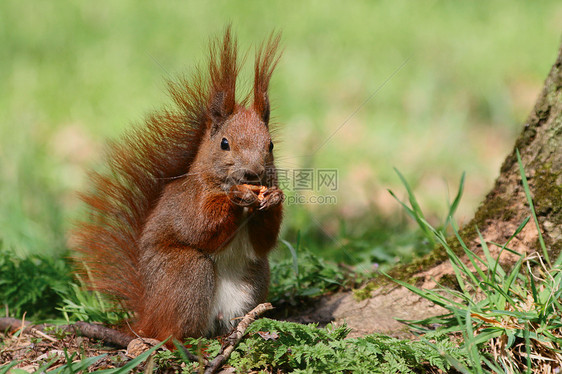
{"x": 267, "y": 58}
{"x": 223, "y": 70}
{"x": 219, "y": 110}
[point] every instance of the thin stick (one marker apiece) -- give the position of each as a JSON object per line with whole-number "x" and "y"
{"x": 33, "y": 330}
{"x": 89, "y": 330}
{"x": 235, "y": 337}
{"x": 22, "y": 327}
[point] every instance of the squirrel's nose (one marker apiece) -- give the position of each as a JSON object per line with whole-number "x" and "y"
{"x": 254, "y": 174}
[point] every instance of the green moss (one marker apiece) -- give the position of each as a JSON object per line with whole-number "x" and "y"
{"x": 547, "y": 194}
{"x": 406, "y": 272}
{"x": 548, "y": 201}
{"x": 495, "y": 206}
{"x": 449, "y": 281}
{"x": 364, "y": 293}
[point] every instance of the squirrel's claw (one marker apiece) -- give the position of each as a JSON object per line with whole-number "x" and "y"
{"x": 242, "y": 196}
{"x": 271, "y": 197}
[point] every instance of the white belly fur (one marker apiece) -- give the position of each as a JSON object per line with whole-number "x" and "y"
{"x": 233, "y": 296}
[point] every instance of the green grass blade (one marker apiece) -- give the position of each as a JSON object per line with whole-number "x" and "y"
{"x": 504, "y": 247}
{"x": 416, "y": 209}
{"x": 527, "y": 347}
{"x": 5, "y": 368}
{"x": 134, "y": 362}
{"x": 73, "y": 367}
{"x": 430, "y": 295}
{"x": 558, "y": 261}
{"x": 458, "y": 266}
{"x": 456, "y": 201}
{"x": 513, "y": 274}
{"x": 532, "y": 206}
{"x": 470, "y": 343}
{"x": 410, "y": 212}
{"x": 492, "y": 264}
{"x": 411, "y": 196}
{"x": 486, "y": 335}
{"x": 501, "y": 292}
{"x": 495, "y": 368}
{"x": 293, "y": 256}
{"x": 473, "y": 257}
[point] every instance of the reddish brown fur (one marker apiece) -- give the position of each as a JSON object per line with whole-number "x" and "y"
{"x": 169, "y": 201}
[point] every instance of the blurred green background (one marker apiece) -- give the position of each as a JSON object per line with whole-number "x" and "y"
{"x": 452, "y": 82}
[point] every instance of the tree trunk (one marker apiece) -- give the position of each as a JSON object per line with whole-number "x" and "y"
{"x": 501, "y": 212}
{"x": 540, "y": 145}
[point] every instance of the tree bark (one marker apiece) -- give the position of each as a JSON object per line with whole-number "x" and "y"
{"x": 502, "y": 211}
{"x": 540, "y": 145}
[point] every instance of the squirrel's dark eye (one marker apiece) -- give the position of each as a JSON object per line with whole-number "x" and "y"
{"x": 225, "y": 146}
{"x": 270, "y": 146}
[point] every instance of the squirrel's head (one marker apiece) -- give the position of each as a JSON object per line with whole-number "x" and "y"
{"x": 237, "y": 147}
{"x": 240, "y": 150}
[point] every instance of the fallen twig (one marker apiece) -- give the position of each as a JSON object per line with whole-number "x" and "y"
{"x": 40, "y": 334}
{"x": 89, "y": 330}
{"x": 235, "y": 337}
{"x": 102, "y": 333}
{"x": 22, "y": 327}
{"x": 120, "y": 339}
{"x": 11, "y": 324}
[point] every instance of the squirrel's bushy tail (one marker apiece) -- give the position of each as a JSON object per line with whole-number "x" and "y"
{"x": 138, "y": 167}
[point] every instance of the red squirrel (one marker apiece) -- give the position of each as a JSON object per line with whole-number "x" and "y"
{"x": 184, "y": 216}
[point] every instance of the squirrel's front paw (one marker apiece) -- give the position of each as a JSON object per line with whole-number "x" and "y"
{"x": 271, "y": 197}
{"x": 243, "y": 196}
